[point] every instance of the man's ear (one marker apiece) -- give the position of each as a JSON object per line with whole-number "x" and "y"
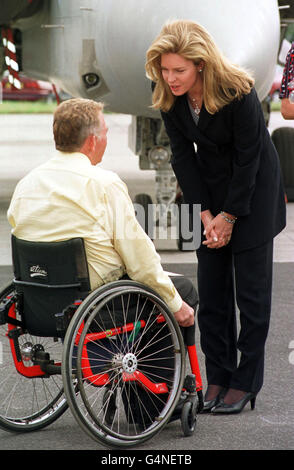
{"x": 92, "y": 139}
{"x": 89, "y": 143}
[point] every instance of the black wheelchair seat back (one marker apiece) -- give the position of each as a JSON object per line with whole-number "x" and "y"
{"x": 48, "y": 278}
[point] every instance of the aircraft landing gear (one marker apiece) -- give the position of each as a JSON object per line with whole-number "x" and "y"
{"x": 148, "y": 139}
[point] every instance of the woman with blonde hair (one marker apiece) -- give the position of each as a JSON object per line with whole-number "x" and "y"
{"x": 233, "y": 172}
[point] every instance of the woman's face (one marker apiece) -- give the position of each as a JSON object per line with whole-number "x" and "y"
{"x": 180, "y": 74}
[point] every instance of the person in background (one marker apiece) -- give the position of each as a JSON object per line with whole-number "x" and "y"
{"x": 287, "y": 86}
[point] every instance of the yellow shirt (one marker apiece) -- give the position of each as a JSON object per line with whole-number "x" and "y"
{"x": 68, "y": 197}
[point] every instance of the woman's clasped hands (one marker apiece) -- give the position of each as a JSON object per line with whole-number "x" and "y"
{"x": 217, "y": 230}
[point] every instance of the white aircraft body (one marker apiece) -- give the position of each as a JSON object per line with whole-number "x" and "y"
{"x": 96, "y": 49}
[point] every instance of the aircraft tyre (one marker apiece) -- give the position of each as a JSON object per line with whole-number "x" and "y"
{"x": 145, "y": 201}
{"x": 283, "y": 139}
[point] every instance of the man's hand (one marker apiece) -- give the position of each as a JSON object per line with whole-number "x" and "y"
{"x": 185, "y": 316}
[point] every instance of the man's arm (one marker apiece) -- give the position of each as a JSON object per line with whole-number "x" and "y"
{"x": 138, "y": 253}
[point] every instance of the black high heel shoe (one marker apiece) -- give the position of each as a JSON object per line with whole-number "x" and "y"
{"x": 209, "y": 404}
{"x": 233, "y": 408}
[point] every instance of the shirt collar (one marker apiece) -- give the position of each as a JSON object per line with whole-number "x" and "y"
{"x": 77, "y": 156}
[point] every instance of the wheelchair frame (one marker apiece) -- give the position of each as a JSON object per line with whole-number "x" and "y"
{"x": 109, "y": 417}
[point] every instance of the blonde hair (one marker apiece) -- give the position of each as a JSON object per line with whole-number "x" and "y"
{"x": 222, "y": 80}
{"x": 74, "y": 120}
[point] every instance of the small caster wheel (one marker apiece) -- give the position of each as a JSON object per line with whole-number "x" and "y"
{"x": 188, "y": 418}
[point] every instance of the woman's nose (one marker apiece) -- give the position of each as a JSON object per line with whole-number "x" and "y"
{"x": 171, "y": 77}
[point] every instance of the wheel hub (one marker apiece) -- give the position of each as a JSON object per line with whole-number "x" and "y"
{"x": 129, "y": 363}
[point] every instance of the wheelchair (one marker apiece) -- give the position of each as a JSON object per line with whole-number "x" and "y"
{"x": 114, "y": 356}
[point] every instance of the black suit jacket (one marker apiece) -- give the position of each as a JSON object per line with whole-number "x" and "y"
{"x": 228, "y": 162}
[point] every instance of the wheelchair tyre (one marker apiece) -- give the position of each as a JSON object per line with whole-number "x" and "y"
{"x": 130, "y": 380}
{"x": 28, "y": 404}
{"x": 188, "y": 418}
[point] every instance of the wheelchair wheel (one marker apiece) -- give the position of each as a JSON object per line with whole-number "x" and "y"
{"x": 126, "y": 351}
{"x": 188, "y": 418}
{"x": 27, "y": 403}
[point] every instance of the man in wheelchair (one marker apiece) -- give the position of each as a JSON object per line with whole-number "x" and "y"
{"x": 70, "y": 197}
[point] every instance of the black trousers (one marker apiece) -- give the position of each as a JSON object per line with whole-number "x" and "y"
{"x": 234, "y": 351}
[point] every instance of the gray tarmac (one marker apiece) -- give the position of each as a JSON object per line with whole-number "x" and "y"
{"x": 26, "y": 141}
